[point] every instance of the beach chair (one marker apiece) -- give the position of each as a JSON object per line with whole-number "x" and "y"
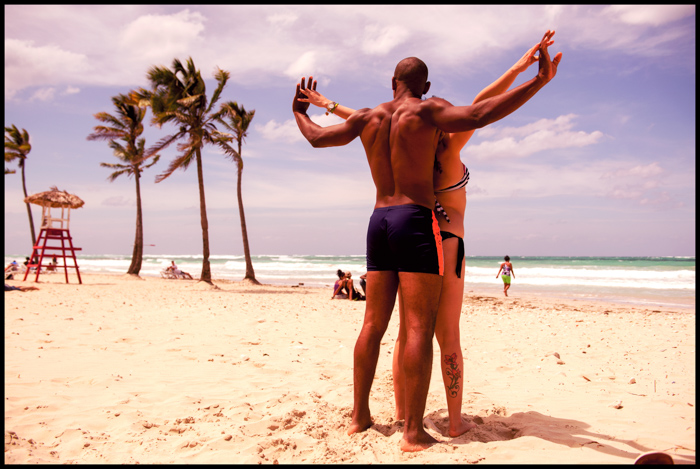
{"x": 168, "y": 273}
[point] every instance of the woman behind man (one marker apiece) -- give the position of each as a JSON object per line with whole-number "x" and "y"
{"x": 450, "y": 179}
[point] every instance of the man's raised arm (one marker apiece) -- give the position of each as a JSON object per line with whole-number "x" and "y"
{"x": 332, "y": 136}
{"x": 462, "y": 118}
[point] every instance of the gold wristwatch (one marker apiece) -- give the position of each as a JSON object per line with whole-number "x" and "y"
{"x": 330, "y": 107}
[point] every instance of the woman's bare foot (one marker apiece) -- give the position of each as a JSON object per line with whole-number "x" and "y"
{"x": 460, "y": 429}
{"x": 422, "y": 441}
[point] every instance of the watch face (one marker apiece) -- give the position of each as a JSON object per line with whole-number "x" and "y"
{"x": 330, "y": 105}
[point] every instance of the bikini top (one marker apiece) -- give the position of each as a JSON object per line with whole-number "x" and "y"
{"x": 459, "y": 185}
{"x": 462, "y": 182}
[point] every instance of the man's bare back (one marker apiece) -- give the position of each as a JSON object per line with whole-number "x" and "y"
{"x": 399, "y": 150}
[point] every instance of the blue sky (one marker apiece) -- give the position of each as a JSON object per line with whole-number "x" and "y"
{"x": 601, "y": 162}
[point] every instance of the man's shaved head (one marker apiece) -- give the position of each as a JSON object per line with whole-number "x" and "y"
{"x": 414, "y": 73}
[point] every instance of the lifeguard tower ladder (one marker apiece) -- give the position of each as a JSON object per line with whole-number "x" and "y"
{"x": 53, "y": 231}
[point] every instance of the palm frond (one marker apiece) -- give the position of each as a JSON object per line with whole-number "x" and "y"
{"x": 222, "y": 77}
{"x": 181, "y": 162}
{"x": 188, "y": 101}
{"x": 112, "y": 177}
{"x": 230, "y": 152}
{"x": 162, "y": 144}
{"x": 105, "y": 133}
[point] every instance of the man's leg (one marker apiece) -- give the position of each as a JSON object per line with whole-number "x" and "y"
{"x": 421, "y": 295}
{"x": 381, "y": 296}
{"x": 397, "y": 365}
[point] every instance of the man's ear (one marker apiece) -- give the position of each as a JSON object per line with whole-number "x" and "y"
{"x": 427, "y": 87}
{"x": 393, "y": 83}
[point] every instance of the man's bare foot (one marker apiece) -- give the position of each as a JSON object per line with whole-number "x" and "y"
{"x": 357, "y": 427}
{"x": 423, "y": 441}
{"x": 461, "y": 429}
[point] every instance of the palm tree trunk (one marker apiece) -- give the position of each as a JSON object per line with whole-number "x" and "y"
{"x": 137, "y": 256}
{"x": 206, "y": 268}
{"x": 29, "y": 209}
{"x": 249, "y": 272}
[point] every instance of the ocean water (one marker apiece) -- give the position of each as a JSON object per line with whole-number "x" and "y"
{"x": 647, "y": 281}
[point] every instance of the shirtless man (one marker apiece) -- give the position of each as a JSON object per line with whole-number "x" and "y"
{"x": 403, "y": 240}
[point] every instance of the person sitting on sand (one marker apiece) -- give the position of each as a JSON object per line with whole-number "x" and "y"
{"x": 353, "y": 293}
{"x": 11, "y": 269}
{"x": 11, "y": 288}
{"x": 339, "y": 286}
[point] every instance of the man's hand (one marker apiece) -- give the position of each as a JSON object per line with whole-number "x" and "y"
{"x": 313, "y": 96}
{"x": 528, "y": 59}
{"x": 298, "y": 105}
{"x": 548, "y": 68}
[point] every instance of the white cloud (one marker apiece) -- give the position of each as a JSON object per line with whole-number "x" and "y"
{"x": 289, "y": 132}
{"x": 654, "y": 15}
{"x": 152, "y": 37}
{"x": 284, "y": 132}
{"x": 520, "y": 142}
{"x": 117, "y": 201}
{"x": 28, "y": 65}
{"x": 305, "y": 65}
{"x": 283, "y": 19}
{"x": 652, "y": 170}
{"x": 43, "y": 94}
{"x": 116, "y": 44}
{"x": 641, "y": 183}
{"x": 381, "y": 40}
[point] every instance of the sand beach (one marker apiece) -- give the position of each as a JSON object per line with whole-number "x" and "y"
{"x": 125, "y": 370}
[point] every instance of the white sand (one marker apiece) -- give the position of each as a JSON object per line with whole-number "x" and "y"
{"x": 122, "y": 370}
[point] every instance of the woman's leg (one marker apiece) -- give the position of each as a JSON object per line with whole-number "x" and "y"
{"x": 447, "y": 334}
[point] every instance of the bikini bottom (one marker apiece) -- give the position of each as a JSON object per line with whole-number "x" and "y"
{"x": 460, "y": 250}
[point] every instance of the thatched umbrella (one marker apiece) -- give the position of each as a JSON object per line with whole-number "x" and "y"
{"x": 55, "y": 198}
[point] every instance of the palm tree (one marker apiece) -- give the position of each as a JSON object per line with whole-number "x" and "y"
{"x": 126, "y": 126}
{"x": 8, "y": 159}
{"x": 239, "y": 121}
{"x": 17, "y": 147}
{"x": 179, "y": 96}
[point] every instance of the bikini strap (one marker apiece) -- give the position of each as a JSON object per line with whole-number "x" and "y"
{"x": 439, "y": 209}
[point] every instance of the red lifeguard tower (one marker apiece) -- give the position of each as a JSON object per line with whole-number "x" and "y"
{"x": 54, "y": 231}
